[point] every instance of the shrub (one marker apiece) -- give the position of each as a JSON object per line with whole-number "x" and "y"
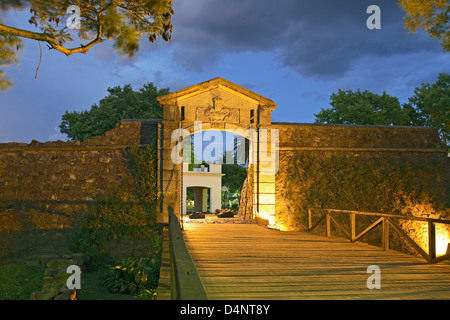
{"x": 134, "y": 277}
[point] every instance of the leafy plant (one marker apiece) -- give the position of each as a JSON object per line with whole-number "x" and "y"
{"x": 135, "y": 277}
{"x": 431, "y": 16}
{"x": 124, "y": 22}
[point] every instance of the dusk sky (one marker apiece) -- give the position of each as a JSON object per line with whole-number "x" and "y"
{"x": 294, "y": 52}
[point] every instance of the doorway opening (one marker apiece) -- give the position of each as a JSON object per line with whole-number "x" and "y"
{"x": 198, "y": 199}
{"x": 214, "y": 171}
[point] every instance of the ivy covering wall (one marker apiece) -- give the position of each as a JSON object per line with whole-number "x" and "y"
{"x": 384, "y": 182}
{"x": 124, "y": 214}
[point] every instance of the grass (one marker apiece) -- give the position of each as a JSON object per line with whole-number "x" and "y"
{"x": 21, "y": 274}
{"x": 17, "y": 282}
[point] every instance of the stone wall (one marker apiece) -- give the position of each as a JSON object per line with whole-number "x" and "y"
{"x": 48, "y": 185}
{"x": 322, "y": 135}
{"x": 328, "y": 150}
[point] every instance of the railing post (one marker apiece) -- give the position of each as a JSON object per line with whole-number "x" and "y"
{"x": 309, "y": 219}
{"x": 328, "y": 224}
{"x": 388, "y": 222}
{"x": 385, "y": 234}
{"x": 431, "y": 241}
{"x": 352, "y": 226}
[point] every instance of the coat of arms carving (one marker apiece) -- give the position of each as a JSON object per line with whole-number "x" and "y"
{"x": 218, "y": 112}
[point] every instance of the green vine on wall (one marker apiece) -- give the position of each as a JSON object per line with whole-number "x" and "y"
{"x": 127, "y": 212}
{"x": 352, "y": 182}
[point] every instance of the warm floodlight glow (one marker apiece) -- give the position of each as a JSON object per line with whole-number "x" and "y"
{"x": 281, "y": 226}
{"x": 442, "y": 239}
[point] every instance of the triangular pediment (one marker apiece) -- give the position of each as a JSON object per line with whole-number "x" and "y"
{"x": 217, "y": 101}
{"x": 220, "y": 88}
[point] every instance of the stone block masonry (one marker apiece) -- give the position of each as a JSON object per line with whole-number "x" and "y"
{"x": 357, "y": 136}
{"x": 48, "y": 185}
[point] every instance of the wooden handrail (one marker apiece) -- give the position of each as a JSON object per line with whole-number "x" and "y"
{"x": 387, "y": 221}
{"x": 185, "y": 283}
{"x": 446, "y": 221}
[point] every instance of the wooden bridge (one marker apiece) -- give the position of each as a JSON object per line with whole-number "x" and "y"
{"x": 247, "y": 261}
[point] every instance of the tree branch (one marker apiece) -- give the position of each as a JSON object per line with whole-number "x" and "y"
{"x": 40, "y": 60}
{"x": 52, "y": 41}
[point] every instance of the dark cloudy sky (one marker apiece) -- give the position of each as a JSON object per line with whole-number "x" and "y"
{"x": 295, "y": 52}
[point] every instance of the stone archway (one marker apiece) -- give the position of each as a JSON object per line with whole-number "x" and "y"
{"x": 217, "y": 104}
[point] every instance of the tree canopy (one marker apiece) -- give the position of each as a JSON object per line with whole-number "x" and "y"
{"x": 429, "y": 106}
{"x": 120, "y": 103}
{"x": 432, "y": 16}
{"x": 366, "y": 108}
{"x": 9, "y": 46}
{"x": 93, "y": 21}
{"x": 432, "y": 105}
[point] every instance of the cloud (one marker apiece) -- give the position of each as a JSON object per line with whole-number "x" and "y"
{"x": 296, "y": 52}
{"x": 321, "y": 39}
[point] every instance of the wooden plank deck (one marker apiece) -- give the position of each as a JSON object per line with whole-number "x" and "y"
{"x": 246, "y": 262}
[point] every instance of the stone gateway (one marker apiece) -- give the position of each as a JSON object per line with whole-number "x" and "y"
{"x": 294, "y": 165}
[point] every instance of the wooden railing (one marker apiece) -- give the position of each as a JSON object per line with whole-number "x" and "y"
{"x": 387, "y": 221}
{"x": 185, "y": 283}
